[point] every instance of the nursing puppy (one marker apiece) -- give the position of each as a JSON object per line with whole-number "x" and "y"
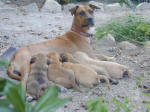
{"x": 84, "y": 75}
{"x": 37, "y": 81}
{"x": 110, "y": 69}
{"x": 60, "y": 75}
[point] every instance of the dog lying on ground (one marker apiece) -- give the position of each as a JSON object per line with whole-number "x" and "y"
{"x": 37, "y": 81}
{"x": 110, "y": 69}
{"x": 60, "y": 75}
{"x": 84, "y": 75}
{"x": 76, "y": 39}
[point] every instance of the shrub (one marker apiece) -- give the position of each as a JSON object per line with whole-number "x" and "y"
{"x": 122, "y": 105}
{"x": 15, "y": 101}
{"x": 133, "y": 28}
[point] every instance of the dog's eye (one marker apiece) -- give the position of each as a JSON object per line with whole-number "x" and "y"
{"x": 90, "y": 11}
{"x": 82, "y": 13}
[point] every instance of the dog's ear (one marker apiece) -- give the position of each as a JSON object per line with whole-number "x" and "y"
{"x": 74, "y": 9}
{"x": 33, "y": 59}
{"x": 93, "y": 6}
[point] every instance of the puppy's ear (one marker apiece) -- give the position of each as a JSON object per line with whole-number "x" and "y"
{"x": 73, "y": 10}
{"x": 33, "y": 59}
{"x": 93, "y": 6}
{"x": 64, "y": 59}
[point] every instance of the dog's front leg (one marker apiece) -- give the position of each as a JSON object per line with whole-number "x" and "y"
{"x": 25, "y": 70}
{"x": 104, "y": 57}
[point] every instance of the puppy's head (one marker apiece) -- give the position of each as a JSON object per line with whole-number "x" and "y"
{"x": 67, "y": 57}
{"x": 53, "y": 57}
{"x": 83, "y": 16}
{"x": 39, "y": 58}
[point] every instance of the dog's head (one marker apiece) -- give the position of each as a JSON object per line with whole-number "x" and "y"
{"x": 39, "y": 59}
{"x": 67, "y": 57}
{"x": 83, "y": 16}
{"x": 53, "y": 57}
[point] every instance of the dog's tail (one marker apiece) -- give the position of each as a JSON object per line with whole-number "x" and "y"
{"x": 12, "y": 74}
{"x": 106, "y": 79}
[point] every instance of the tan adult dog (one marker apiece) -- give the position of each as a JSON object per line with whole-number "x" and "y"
{"x": 60, "y": 75}
{"x": 37, "y": 81}
{"x": 74, "y": 40}
{"x": 110, "y": 69}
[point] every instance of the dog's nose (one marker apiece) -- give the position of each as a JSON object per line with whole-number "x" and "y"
{"x": 90, "y": 19}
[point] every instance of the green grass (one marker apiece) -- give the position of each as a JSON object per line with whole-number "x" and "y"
{"x": 133, "y": 28}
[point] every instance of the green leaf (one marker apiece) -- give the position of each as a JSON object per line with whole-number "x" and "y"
{"x": 13, "y": 96}
{"x": 54, "y": 105}
{"x": 4, "y": 102}
{"x": 6, "y": 109}
{"x": 49, "y": 101}
{"x": 126, "y": 100}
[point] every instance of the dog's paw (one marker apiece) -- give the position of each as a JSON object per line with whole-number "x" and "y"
{"x": 113, "y": 82}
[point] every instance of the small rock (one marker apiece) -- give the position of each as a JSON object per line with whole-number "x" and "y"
{"x": 143, "y": 6}
{"x": 51, "y": 6}
{"x": 68, "y": 6}
{"x": 125, "y": 45}
{"x": 147, "y": 47}
{"x": 114, "y": 7}
{"x": 108, "y": 40}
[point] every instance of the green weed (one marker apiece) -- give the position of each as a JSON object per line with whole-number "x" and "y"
{"x": 132, "y": 28}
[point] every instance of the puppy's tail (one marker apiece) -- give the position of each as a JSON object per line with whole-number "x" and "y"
{"x": 106, "y": 79}
{"x": 12, "y": 75}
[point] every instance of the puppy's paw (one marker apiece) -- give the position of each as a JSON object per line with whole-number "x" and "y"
{"x": 113, "y": 82}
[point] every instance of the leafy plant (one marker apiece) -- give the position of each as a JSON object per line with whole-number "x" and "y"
{"x": 133, "y": 28}
{"x": 147, "y": 103}
{"x": 122, "y": 105}
{"x": 3, "y": 63}
{"x": 96, "y": 105}
{"x": 14, "y": 100}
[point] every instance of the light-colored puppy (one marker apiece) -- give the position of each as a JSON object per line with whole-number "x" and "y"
{"x": 111, "y": 69}
{"x": 60, "y": 75}
{"x": 85, "y": 75}
{"x": 37, "y": 81}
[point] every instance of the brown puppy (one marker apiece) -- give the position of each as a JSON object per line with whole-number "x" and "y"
{"x": 37, "y": 82}
{"x": 85, "y": 76}
{"x": 74, "y": 40}
{"x": 60, "y": 75}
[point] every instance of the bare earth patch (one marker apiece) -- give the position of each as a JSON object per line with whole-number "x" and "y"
{"x": 18, "y": 30}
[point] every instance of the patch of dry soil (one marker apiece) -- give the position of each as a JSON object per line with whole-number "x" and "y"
{"x": 18, "y": 30}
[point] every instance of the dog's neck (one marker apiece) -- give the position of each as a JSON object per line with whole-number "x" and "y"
{"x": 83, "y": 33}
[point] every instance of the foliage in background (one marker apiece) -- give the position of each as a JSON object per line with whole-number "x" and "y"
{"x": 15, "y": 99}
{"x": 133, "y": 28}
{"x": 122, "y": 106}
{"x": 128, "y": 3}
{"x": 96, "y": 105}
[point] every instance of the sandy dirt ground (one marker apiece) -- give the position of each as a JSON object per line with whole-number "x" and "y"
{"x": 18, "y": 30}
